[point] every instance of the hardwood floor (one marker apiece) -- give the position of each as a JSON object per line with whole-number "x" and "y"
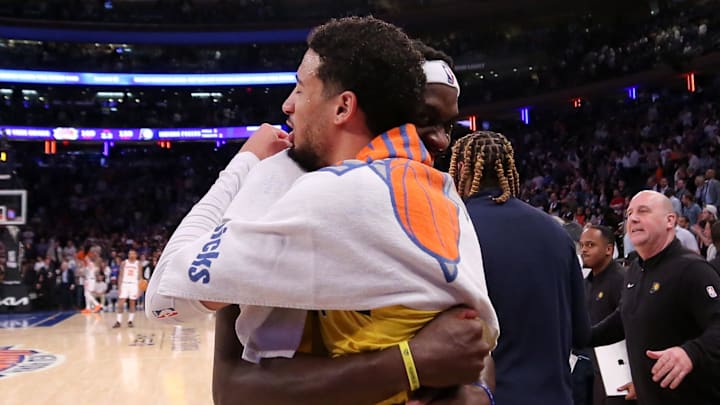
{"x": 72, "y": 358}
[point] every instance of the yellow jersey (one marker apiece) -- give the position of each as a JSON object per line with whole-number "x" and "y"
{"x": 347, "y": 332}
{"x": 338, "y": 333}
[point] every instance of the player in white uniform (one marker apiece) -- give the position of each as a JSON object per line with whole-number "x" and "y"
{"x": 91, "y": 268}
{"x": 130, "y": 273}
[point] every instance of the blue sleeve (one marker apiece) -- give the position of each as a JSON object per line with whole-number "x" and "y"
{"x": 580, "y": 316}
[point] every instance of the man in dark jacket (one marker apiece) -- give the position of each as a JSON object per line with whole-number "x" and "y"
{"x": 669, "y": 312}
{"x": 603, "y": 287}
{"x": 532, "y": 273}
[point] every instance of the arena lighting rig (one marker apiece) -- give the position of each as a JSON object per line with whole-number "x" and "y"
{"x": 145, "y": 79}
{"x": 128, "y": 134}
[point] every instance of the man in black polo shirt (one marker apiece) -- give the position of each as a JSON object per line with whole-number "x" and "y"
{"x": 603, "y": 287}
{"x": 670, "y": 312}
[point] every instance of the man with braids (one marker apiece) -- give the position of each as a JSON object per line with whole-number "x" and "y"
{"x": 377, "y": 275}
{"x": 533, "y": 275}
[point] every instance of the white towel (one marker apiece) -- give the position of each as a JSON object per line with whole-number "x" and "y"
{"x": 319, "y": 247}
{"x": 205, "y": 215}
{"x": 379, "y": 231}
{"x": 247, "y": 188}
{"x": 257, "y": 326}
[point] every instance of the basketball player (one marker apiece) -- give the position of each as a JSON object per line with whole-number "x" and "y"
{"x": 344, "y": 123}
{"x": 533, "y": 275}
{"x": 91, "y": 266}
{"x": 129, "y": 279}
{"x": 434, "y": 125}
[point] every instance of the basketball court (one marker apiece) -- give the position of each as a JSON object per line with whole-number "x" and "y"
{"x": 57, "y": 357}
{"x": 73, "y": 358}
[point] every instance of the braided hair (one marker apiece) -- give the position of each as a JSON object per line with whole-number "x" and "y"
{"x": 489, "y": 153}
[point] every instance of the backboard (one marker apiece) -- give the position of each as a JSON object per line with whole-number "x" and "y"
{"x": 13, "y": 207}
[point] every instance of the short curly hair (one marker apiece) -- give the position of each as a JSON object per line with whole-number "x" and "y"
{"x": 430, "y": 53}
{"x": 376, "y": 61}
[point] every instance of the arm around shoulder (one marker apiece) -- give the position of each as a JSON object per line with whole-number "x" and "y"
{"x": 362, "y": 379}
{"x": 449, "y": 351}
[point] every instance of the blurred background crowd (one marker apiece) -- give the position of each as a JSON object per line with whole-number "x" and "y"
{"x": 607, "y": 90}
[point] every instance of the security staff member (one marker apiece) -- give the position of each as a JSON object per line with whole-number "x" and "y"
{"x": 670, "y": 312}
{"x": 603, "y": 288}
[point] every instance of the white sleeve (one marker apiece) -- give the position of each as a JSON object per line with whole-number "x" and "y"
{"x": 231, "y": 262}
{"x": 328, "y": 243}
{"x": 203, "y": 217}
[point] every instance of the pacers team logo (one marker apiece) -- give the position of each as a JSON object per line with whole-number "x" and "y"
{"x": 14, "y": 361}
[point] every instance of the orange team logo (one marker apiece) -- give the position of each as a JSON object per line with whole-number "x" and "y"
{"x": 420, "y": 194}
{"x": 15, "y": 361}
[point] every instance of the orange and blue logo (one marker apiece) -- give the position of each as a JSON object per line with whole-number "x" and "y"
{"x": 420, "y": 194}
{"x": 14, "y": 361}
{"x": 428, "y": 216}
{"x": 165, "y": 313}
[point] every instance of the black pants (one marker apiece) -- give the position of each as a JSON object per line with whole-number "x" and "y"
{"x": 583, "y": 377}
{"x": 67, "y": 297}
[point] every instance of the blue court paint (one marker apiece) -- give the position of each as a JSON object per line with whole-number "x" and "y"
{"x": 34, "y": 319}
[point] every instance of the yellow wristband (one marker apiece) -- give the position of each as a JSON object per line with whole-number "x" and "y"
{"x": 409, "y": 366}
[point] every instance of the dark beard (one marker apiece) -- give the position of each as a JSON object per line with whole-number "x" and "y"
{"x": 308, "y": 160}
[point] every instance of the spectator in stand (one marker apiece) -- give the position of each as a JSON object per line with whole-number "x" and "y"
{"x": 690, "y": 209}
{"x": 676, "y": 203}
{"x": 702, "y": 231}
{"x": 710, "y": 190}
{"x": 67, "y": 285}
